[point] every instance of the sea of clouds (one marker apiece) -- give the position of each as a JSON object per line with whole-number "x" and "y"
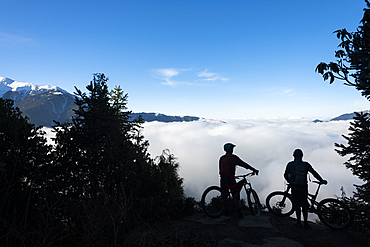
{"x": 266, "y": 144}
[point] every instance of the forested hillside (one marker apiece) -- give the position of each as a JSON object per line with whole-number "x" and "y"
{"x": 97, "y": 184}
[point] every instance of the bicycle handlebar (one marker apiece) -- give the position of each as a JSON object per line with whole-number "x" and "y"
{"x": 246, "y": 175}
{"x": 316, "y": 182}
{"x": 319, "y": 182}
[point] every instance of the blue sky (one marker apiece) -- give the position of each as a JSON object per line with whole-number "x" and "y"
{"x": 213, "y": 59}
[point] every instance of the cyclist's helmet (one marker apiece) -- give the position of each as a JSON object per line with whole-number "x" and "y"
{"x": 228, "y": 146}
{"x": 297, "y": 153}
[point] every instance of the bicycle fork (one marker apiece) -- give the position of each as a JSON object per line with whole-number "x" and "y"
{"x": 282, "y": 202}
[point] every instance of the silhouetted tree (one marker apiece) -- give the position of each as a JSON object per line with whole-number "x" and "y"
{"x": 169, "y": 179}
{"x": 102, "y": 168}
{"x": 353, "y": 67}
{"x": 96, "y": 183}
{"x": 358, "y": 149}
{"x": 95, "y": 151}
{"x": 133, "y": 134}
{"x": 353, "y": 60}
{"x": 23, "y": 160}
{"x": 93, "y": 156}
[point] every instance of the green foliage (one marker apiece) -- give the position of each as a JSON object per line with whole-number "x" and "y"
{"x": 23, "y": 160}
{"x": 361, "y": 213}
{"x": 94, "y": 153}
{"x": 353, "y": 61}
{"x": 102, "y": 161}
{"x": 94, "y": 186}
{"x": 353, "y": 67}
{"x": 358, "y": 149}
{"x": 167, "y": 173}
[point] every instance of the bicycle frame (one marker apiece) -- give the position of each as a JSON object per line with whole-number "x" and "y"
{"x": 311, "y": 197}
{"x": 240, "y": 184}
{"x": 331, "y": 212}
{"x": 214, "y": 199}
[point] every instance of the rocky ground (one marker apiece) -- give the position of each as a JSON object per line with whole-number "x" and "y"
{"x": 263, "y": 230}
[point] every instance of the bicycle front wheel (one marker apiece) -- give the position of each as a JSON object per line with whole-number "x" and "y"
{"x": 280, "y": 203}
{"x": 334, "y": 214}
{"x": 254, "y": 202}
{"x": 213, "y": 203}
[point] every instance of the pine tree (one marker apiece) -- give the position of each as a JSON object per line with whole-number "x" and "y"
{"x": 358, "y": 149}
{"x": 103, "y": 175}
{"x": 24, "y": 159}
{"x": 94, "y": 151}
{"x": 170, "y": 181}
{"x": 353, "y": 67}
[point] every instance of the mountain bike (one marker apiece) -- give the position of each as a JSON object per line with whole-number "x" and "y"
{"x": 331, "y": 212}
{"x": 215, "y": 200}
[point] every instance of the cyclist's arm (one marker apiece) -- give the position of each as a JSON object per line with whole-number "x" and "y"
{"x": 219, "y": 165}
{"x": 287, "y": 173}
{"x": 245, "y": 165}
{"x": 315, "y": 173}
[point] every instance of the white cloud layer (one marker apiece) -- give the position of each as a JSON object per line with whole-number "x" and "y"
{"x": 267, "y": 145}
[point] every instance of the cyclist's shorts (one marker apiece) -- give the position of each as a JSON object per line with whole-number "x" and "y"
{"x": 300, "y": 198}
{"x": 227, "y": 181}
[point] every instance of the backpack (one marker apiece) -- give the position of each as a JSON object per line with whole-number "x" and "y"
{"x": 299, "y": 170}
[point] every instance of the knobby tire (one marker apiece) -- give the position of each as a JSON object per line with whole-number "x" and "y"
{"x": 334, "y": 214}
{"x": 254, "y": 202}
{"x": 213, "y": 204}
{"x": 280, "y": 203}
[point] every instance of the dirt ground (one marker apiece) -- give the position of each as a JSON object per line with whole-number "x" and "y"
{"x": 264, "y": 230}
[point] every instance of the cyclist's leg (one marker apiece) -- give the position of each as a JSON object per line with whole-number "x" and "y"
{"x": 236, "y": 195}
{"x": 299, "y": 197}
{"x": 223, "y": 183}
{"x": 305, "y": 207}
{"x": 232, "y": 183}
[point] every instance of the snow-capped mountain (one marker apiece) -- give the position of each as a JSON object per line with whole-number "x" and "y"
{"x": 45, "y": 104}
{"x": 42, "y": 104}
{"x": 18, "y": 91}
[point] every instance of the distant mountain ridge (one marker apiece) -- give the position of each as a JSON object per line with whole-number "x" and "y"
{"x": 348, "y": 116}
{"x": 150, "y": 117}
{"x": 44, "y": 104}
{"x": 41, "y": 104}
{"x": 343, "y": 117}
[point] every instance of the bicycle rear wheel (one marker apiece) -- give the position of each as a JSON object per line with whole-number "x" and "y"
{"x": 334, "y": 214}
{"x": 280, "y": 203}
{"x": 254, "y": 202}
{"x": 213, "y": 203}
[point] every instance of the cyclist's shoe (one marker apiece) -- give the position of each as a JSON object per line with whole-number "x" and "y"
{"x": 240, "y": 214}
{"x": 306, "y": 225}
{"x": 298, "y": 224}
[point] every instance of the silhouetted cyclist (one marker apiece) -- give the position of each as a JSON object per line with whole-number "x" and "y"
{"x": 227, "y": 165}
{"x": 296, "y": 174}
